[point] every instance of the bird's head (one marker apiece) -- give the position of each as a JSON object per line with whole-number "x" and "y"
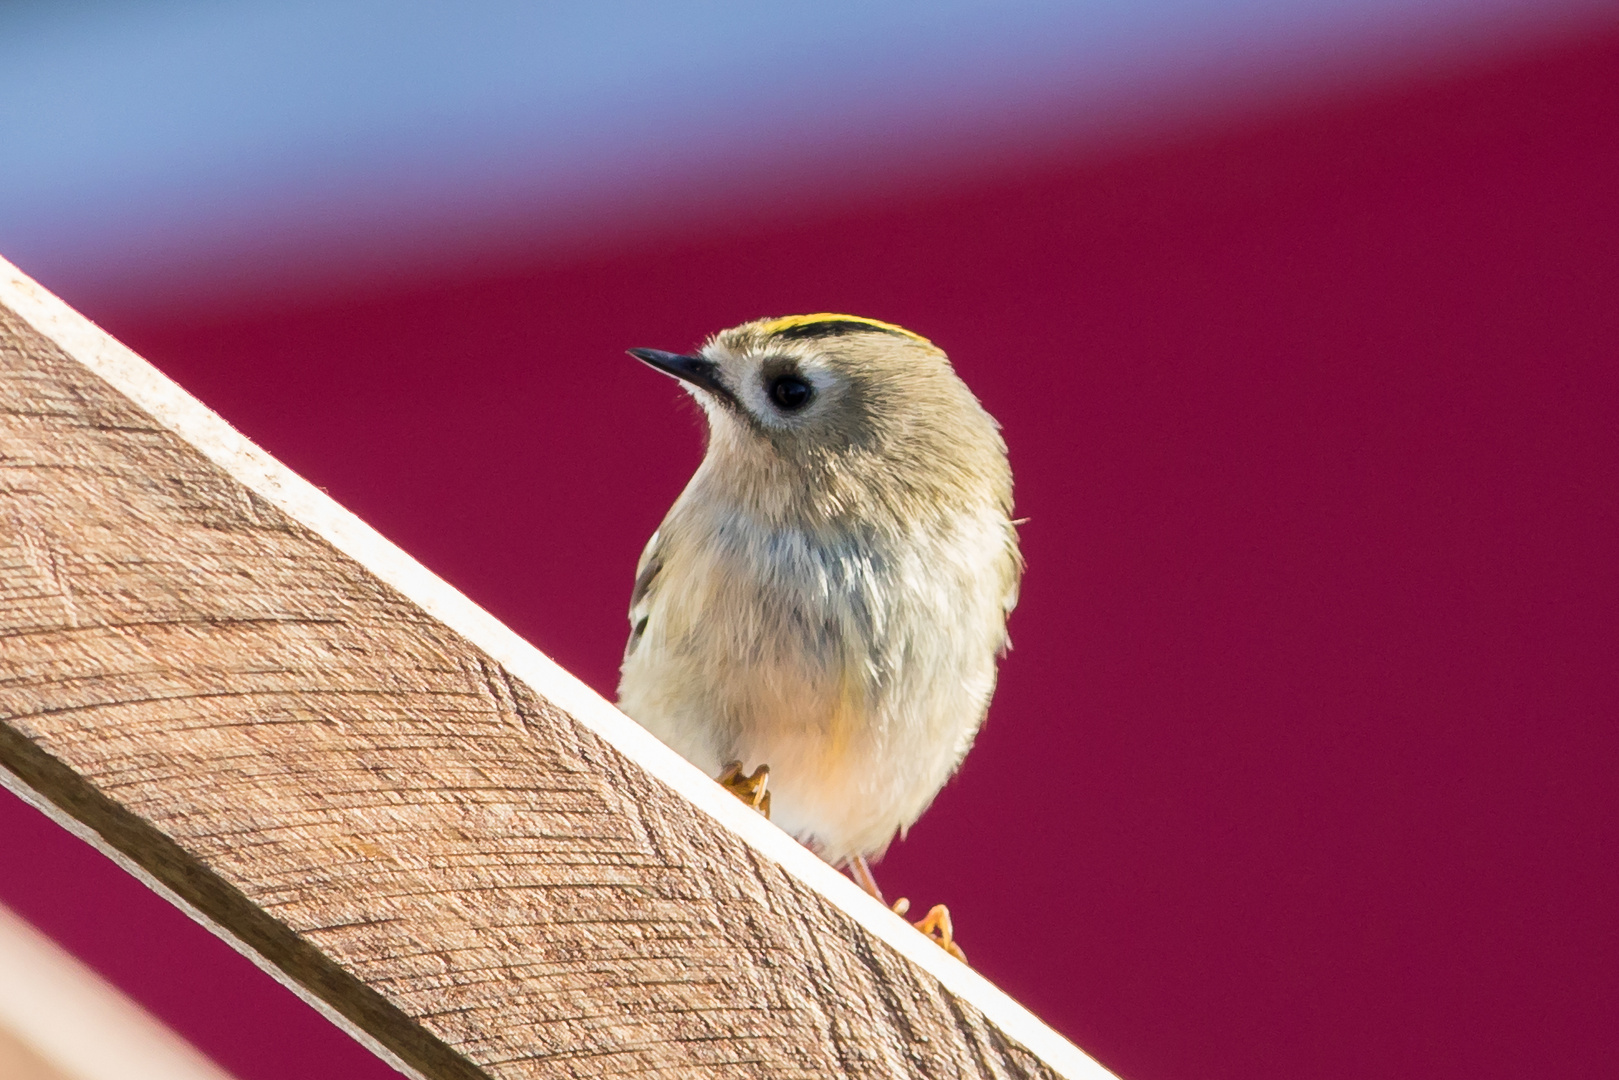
{"x": 831, "y": 415}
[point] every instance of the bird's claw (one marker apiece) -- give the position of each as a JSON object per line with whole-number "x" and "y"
{"x": 753, "y": 790}
{"x": 936, "y": 926}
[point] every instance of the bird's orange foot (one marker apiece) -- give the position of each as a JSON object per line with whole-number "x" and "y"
{"x": 936, "y": 925}
{"x": 753, "y": 790}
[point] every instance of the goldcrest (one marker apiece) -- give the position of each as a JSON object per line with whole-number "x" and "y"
{"x": 828, "y": 596}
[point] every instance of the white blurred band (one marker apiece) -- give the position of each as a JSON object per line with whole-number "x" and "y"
{"x": 61, "y": 1021}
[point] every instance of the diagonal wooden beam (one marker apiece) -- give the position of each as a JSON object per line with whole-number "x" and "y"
{"x": 390, "y": 801}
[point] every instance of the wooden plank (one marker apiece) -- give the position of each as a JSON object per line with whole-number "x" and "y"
{"x": 390, "y": 801}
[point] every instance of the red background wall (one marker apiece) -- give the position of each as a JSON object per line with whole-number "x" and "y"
{"x": 1304, "y": 762}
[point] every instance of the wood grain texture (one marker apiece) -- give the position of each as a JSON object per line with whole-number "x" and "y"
{"x": 383, "y": 814}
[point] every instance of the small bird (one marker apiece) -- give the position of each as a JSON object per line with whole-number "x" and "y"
{"x": 827, "y": 599}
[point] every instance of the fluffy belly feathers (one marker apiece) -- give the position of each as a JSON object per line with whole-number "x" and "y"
{"x": 857, "y": 674}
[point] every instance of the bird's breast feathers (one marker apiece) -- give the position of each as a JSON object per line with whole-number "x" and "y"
{"x": 859, "y": 669}
{"x": 742, "y": 629}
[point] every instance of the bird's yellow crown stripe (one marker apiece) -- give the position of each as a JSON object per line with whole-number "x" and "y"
{"x": 776, "y": 326}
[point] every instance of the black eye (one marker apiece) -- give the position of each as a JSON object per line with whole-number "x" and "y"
{"x": 790, "y": 392}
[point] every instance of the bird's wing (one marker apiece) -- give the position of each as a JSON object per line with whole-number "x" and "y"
{"x": 646, "y": 575}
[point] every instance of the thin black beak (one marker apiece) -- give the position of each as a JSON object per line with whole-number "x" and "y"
{"x": 701, "y": 373}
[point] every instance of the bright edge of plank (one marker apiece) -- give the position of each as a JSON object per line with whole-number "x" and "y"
{"x": 174, "y": 408}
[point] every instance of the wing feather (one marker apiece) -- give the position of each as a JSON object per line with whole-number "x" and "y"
{"x": 646, "y": 576}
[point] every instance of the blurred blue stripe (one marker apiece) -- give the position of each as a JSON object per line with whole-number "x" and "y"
{"x": 127, "y": 128}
